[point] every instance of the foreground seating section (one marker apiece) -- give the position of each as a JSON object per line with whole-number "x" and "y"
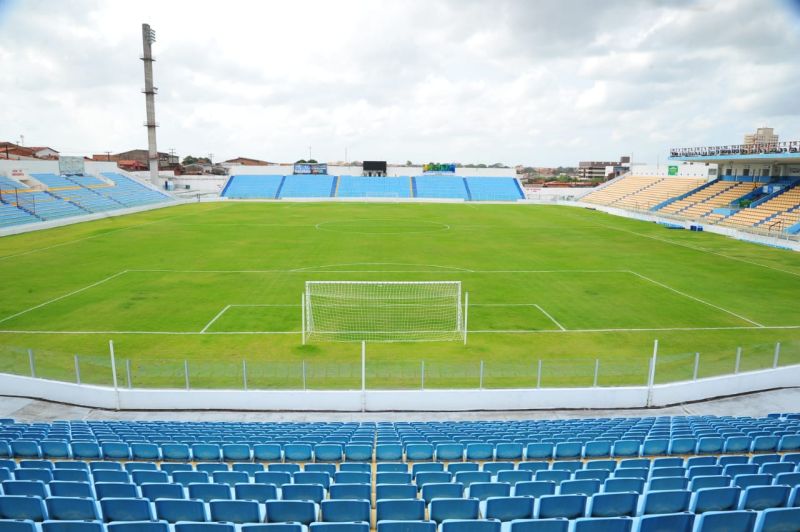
{"x": 373, "y": 187}
{"x": 73, "y": 475}
{"x": 253, "y": 187}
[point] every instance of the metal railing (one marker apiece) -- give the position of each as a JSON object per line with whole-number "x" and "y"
{"x": 388, "y": 373}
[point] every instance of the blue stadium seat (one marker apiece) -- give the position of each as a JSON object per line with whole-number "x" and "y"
{"x": 22, "y": 507}
{"x": 603, "y": 524}
{"x": 339, "y": 527}
{"x": 114, "y": 509}
{"x": 72, "y": 526}
{"x": 26, "y": 449}
{"x": 115, "y": 450}
{"x": 138, "y": 526}
{"x": 304, "y": 512}
{"x": 534, "y": 488}
{"x": 484, "y": 490}
{"x": 298, "y": 452}
{"x": 763, "y": 497}
{"x": 30, "y": 488}
{"x": 358, "y": 452}
{"x": 236, "y": 452}
{"x": 406, "y": 526}
{"x": 161, "y": 490}
{"x": 615, "y": 485}
{"x": 507, "y": 508}
{"x": 209, "y": 492}
{"x": 142, "y": 477}
{"x": 449, "y": 451}
{"x": 400, "y": 510}
{"x": 72, "y": 509}
{"x": 536, "y": 525}
{"x": 664, "y": 502}
{"x": 733, "y": 521}
{"x": 255, "y": 492}
{"x": 190, "y": 477}
{"x": 278, "y": 478}
{"x": 231, "y": 478}
{"x": 419, "y": 451}
{"x": 514, "y": 476}
{"x": 179, "y": 452}
{"x": 470, "y": 477}
{"x": 104, "y": 475}
{"x": 388, "y": 452}
{"x": 715, "y": 499}
{"x": 567, "y": 506}
{"x": 22, "y": 525}
{"x": 442, "y": 490}
{"x": 340, "y": 511}
{"x": 350, "y": 491}
{"x": 204, "y": 527}
{"x": 678, "y": 522}
{"x": 145, "y": 451}
{"x": 303, "y": 492}
{"x": 469, "y": 525}
{"x": 479, "y": 451}
{"x": 402, "y": 491}
{"x": 613, "y": 505}
{"x": 513, "y": 451}
{"x": 585, "y": 487}
{"x": 115, "y": 490}
{"x": 328, "y": 452}
{"x": 393, "y": 478}
{"x": 778, "y": 520}
{"x": 237, "y": 512}
{"x": 55, "y": 449}
{"x": 715, "y": 481}
{"x": 539, "y": 451}
{"x": 441, "y": 509}
{"x": 85, "y": 450}
{"x": 267, "y": 452}
{"x": 351, "y": 477}
{"x": 67, "y": 488}
{"x": 312, "y": 477}
{"x": 391, "y": 467}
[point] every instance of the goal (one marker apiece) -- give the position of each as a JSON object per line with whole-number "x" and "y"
{"x": 383, "y": 311}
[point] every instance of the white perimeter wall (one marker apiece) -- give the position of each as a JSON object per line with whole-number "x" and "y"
{"x": 400, "y": 400}
{"x": 685, "y": 169}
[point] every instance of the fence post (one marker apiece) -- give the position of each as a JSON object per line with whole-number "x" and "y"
{"x": 186, "y": 372}
{"x": 738, "y": 359}
{"x": 466, "y": 315}
{"x": 596, "y": 371}
{"x": 128, "y": 372}
{"x": 304, "y": 374}
{"x": 422, "y": 375}
{"x": 363, "y": 366}
{"x": 303, "y": 315}
{"x": 77, "y": 370}
{"x": 32, "y": 363}
{"x": 113, "y": 363}
{"x": 244, "y": 374}
{"x": 696, "y": 365}
{"x": 539, "y": 375}
{"x": 480, "y": 379}
{"x": 777, "y": 355}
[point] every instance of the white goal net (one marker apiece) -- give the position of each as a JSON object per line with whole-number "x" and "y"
{"x": 382, "y": 311}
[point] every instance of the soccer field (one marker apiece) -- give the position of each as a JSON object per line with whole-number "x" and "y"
{"x": 216, "y": 284}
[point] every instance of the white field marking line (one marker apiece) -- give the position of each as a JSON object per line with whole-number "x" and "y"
{"x": 461, "y": 270}
{"x": 79, "y": 290}
{"x": 478, "y": 331}
{"x": 684, "y": 294}
{"x": 543, "y": 311}
{"x": 695, "y": 248}
{"x": 215, "y": 318}
{"x": 380, "y": 264}
{"x": 30, "y": 251}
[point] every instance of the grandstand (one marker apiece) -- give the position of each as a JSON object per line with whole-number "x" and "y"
{"x": 691, "y": 474}
{"x": 54, "y": 196}
{"x": 348, "y": 186}
{"x": 704, "y": 200}
{"x": 776, "y": 208}
{"x": 642, "y": 193}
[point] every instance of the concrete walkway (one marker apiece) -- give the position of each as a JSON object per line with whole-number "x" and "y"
{"x": 755, "y": 405}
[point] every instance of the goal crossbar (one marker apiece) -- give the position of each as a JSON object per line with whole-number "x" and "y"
{"x": 383, "y": 311}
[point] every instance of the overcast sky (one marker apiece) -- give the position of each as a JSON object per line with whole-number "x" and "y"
{"x": 545, "y": 82}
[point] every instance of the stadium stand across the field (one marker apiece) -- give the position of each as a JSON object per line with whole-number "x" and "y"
{"x": 308, "y": 186}
{"x": 620, "y": 189}
{"x": 717, "y": 194}
{"x": 347, "y": 186}
{"x": 692, "y": 474}
{"x": 69, "y": 196}
{"x": 659, "y": 192}
{"x": 494, "y": 189}
{"x": 764, "y": 214}
{"x": 253, "y": 186}
{"x": 444, "y": 187}
{"x": 373, "y": 187}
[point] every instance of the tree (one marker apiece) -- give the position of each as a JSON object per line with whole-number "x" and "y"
{"x": 409, "y": 163}
{"x": 190, "y": 159}
{"x": 301, "y": 161}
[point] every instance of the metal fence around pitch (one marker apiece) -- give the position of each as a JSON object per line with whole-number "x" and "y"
{"x": 249, "y": 373}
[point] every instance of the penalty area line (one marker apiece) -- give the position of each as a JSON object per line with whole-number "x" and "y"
{"x": 684, "y": 294}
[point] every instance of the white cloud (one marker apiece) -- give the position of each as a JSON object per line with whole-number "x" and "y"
{"x": 546, "y": 82}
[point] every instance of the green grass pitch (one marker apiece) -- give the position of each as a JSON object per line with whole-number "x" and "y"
{"x": 217, "y": 284}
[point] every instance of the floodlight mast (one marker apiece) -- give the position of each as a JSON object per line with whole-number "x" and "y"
{"x": 148, "y": 38}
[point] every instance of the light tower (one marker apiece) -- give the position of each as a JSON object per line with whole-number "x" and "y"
{"x": 148, "y": 38}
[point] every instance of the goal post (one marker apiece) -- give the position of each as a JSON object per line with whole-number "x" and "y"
{"x": 383, "y": 311}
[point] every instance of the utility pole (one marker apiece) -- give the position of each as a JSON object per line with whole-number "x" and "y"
{"x": 148, "y": 38}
